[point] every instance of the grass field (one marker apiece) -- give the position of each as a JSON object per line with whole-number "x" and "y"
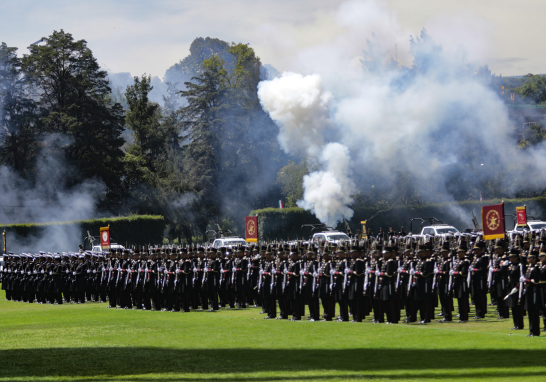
{"x": 90, "y": 342}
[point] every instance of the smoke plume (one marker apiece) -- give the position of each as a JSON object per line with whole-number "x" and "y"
{"x": 432, "y": 117}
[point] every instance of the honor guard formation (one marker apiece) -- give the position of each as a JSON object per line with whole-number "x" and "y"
{"x": 385, "y": 277}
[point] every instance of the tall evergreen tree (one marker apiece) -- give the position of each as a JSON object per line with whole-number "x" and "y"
{"x": 74, "y": 97}
{"x": 19, "y": 130}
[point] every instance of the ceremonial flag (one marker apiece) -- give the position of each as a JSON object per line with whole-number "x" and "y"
{"x": 521, "y": 213}
{"x": 281, "y": 204}
{"x": 251, "y": 228}
{"x": 105, "y": 237}
{"x": 493, "y": 221}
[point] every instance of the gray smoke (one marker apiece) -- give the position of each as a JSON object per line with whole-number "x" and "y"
{"x": 47, "y": 200}
{"x": 433, "y": 119}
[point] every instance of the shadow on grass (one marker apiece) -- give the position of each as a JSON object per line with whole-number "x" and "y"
{"x": 355, "y": 363}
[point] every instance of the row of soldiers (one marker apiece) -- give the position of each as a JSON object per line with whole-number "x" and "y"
{"x": 380, "y": 278}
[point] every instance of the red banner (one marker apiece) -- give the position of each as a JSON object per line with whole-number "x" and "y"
{"x": 521, "y": 213}
{"x": 105, "y": 237}
{"x": 251, "y": 228}
{"x": 493, "y": 221}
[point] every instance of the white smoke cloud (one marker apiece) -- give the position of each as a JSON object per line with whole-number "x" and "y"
{"x": 300, "y": 107}
{"x": 328, "y": 191}
{"x": 386, "y": 119}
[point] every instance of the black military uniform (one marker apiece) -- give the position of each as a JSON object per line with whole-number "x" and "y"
{"x": 533, "y": 293}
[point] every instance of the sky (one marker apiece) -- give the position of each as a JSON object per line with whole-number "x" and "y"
{"x": 140, "y": 37}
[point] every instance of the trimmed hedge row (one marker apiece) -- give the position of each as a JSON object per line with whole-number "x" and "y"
{"x": 285, "y": 224}
{"x": 134, "y": 230}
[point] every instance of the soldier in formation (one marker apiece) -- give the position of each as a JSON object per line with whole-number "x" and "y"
{"x": 391, "y": 279}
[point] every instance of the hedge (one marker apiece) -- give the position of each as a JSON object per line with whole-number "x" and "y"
{"x": 132, "y": 230}
{"x": 285, "y": 224}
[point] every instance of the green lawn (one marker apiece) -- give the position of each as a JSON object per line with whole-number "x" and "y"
{"x": 90, "y": 342}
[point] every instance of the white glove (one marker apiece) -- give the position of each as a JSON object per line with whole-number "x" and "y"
{"x": 399, "y": 270}
{"x": 285, "y": 271}
{"x": 178, "y": 271}
{"x": 302, "y": 272}
{"x": 522, "y": 279}
{"x": 315, "y": 274}
{"x": 22, "y": 272}
{"x": 119, "y": 269}
{"x": 505, "y": 263}
{"x": 94, "y": 271}
{"x": 88, "y": 271}
{"x": 452, "y": 272}
{"x": 436, "y": 271}
{"x": 234, "y": 269}
{"x": 347, "y": 270}
{"x": 35, "y": 271}
{"x": 165, "y": 271}
{"x": 261, "y": 271}
{"x": 67, "y": 271}
{"x": 42, "y": 271}
{"x": 332, "y": 272}
{"x": 368, "y": 270}
{"x": 50, "y": 273}
{"x": 74, "y": 273}
{"x": 412, "y": 272}
{"x": 28, "y": 273}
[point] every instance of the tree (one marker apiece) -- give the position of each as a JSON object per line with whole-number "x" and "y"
{"x": 20, "y": 132}
{"x": 533, "y": 89}
{"x": 74, "y": 97}
{"x": 291, "y": 178}
{"x": 202, "y": 121}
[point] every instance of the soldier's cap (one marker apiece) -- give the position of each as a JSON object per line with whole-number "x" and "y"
{"x": 445, "y": 247}
{"x": 57, "y": 256}
{"x": 514, "y": 252}
{"x": 263, "y": 248}
{"x": 200, "y": 249}
{"x": 213, "y": 250}
{"x": 461, "y": 249}
{"x": 79, "y": 257}
{"x": 354, "y": 248}
{"x": 479, "y": 244}
{"x": 533, "y": 253}
{"x": 542, "y": 253}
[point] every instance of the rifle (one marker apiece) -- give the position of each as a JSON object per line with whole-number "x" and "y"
{"x": 450, "y": 282}
{"x": 129, "y": 276}
{"x": 397, "y": 278}
{"x": 520, "y": 282}
{"x": 147, "y": 274}
{"x": 249, "y": 269}
{"x": 301, "y": 276}
{"x": 332, "y": 285}
{"x": 118, "y": 276}
{"x": 205, "y": 274}
{"x": 490, "y": 274}
{"x": 410, "y": 280}
{"x": 366, "y": 278}
{"x": 138, "y": 273}
{"x": 177, "y": 273}
{"x": 273, "y": 273}
{"x": 469, "y": 277}
{"x": 314, "y": 287}
{"x": 109, "y": 271}
{"x": 260, "y": 278}
{"x": 222, "y": 274}
{"x": 376, "y": 279}
{"x": 434, "y": 277}
{"x": 345, "y": 276}
{"x": 285, "y": 272}
{"x": 194, "y": 275}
